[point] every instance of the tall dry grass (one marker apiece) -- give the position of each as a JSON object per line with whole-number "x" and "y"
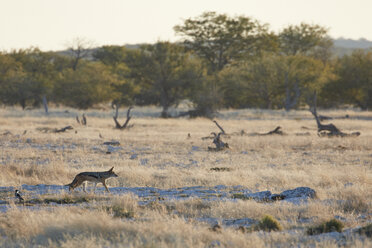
{"x": 158, "y": 153}
{"x": 76, "y": 227}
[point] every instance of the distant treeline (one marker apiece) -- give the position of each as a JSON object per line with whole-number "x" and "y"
{"x": 222, "y": 62}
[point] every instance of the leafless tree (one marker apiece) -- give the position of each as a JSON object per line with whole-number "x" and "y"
{"x": 78, "y": 49}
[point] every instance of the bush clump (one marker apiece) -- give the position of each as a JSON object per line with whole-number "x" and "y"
{"x": 268, "y": 223}
{"x": 120, "y": 212}
{"x": 332, "y": 225}
{"x": 123, "y": 206}
{"x": 366, "y": 230}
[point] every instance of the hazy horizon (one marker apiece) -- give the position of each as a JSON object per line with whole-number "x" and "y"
{"x": 50, "y": 25}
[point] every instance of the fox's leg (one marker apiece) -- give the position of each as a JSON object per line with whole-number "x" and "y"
{"x": 95, "y": 186}
{"x": 104, "y": 184}
{"x": 84, "y": 186}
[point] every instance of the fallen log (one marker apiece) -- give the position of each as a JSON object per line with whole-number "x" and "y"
{"x": 222, "y": 130}
{"x": 277, "y": 130}
{"x": 63, "y": 129}
{"x": 328, "y": 130}
{"x": 217, "y": 141}
{"x": 112, "y": 143}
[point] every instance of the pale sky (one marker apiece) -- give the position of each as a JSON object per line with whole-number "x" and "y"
{"x": 52, "y": 24}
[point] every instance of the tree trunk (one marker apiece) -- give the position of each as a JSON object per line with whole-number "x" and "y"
{"x": 361, "y": 105}
{"x": 23, "y": 103}
{"x": 291, "y": 101}
{"x": 45, "y": 104}
{"x": 165, "y": 103}
{"x": 75, "y": 63}
{"x": 164, "y": 112}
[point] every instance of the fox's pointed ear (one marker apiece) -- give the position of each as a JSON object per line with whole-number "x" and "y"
{"x": 111, "y": 169}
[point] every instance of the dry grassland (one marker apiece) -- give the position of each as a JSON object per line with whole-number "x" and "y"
{"x": 158, "y": 153}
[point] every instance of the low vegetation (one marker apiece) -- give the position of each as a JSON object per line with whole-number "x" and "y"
{"x": 166, "y": 193}
{"x": 366, "y": 230}
{"x": 332, "y": 225}
{"x": 268, "y": 224}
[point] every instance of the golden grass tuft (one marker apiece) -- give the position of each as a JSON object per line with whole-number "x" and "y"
{"x": 125, "y": 206}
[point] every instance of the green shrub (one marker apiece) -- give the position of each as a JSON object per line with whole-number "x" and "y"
{"x": 240, "y": 196}
{"x": 366, "y": 230}
{"x": 332, "y": 225}
{"x": 268, "y": 223}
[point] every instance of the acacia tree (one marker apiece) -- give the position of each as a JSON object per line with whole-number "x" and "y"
{"x": 79, "y": 48}
{"x": 89, "y": 85}
{"x": 12, "y": 77}
{"x": 165, "y": 73}
{"x": 221, "y": 40}
{"x": 303, "y": 40}
{"x": 301, "y": 75}
{"x": 112, "y": 56}
{"x": 124, "y": 88}
{"x": 34, "y": 77}
{"x": 253, "y": 84}
{"x": 264, "y": 82}
{"x": 353, "y": 82}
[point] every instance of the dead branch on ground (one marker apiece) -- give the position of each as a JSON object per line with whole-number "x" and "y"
{"x": 217, "y": 141}
{"x": 83, "y": 120}
{"x": 213, "y": 135}
{"x": 327, "y": 130}
{"x": 117, "y": 124}
{"x": 220, "y": 169}
{"x": 63, "y": 129}
{"x": 53, "y": 130}
{"x": 7, "y": 133}
{"x": 222, "y": 131}
{"x": 277, "y": 130}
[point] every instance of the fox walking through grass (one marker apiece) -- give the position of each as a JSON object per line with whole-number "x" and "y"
{"x": 96, "y": 177}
